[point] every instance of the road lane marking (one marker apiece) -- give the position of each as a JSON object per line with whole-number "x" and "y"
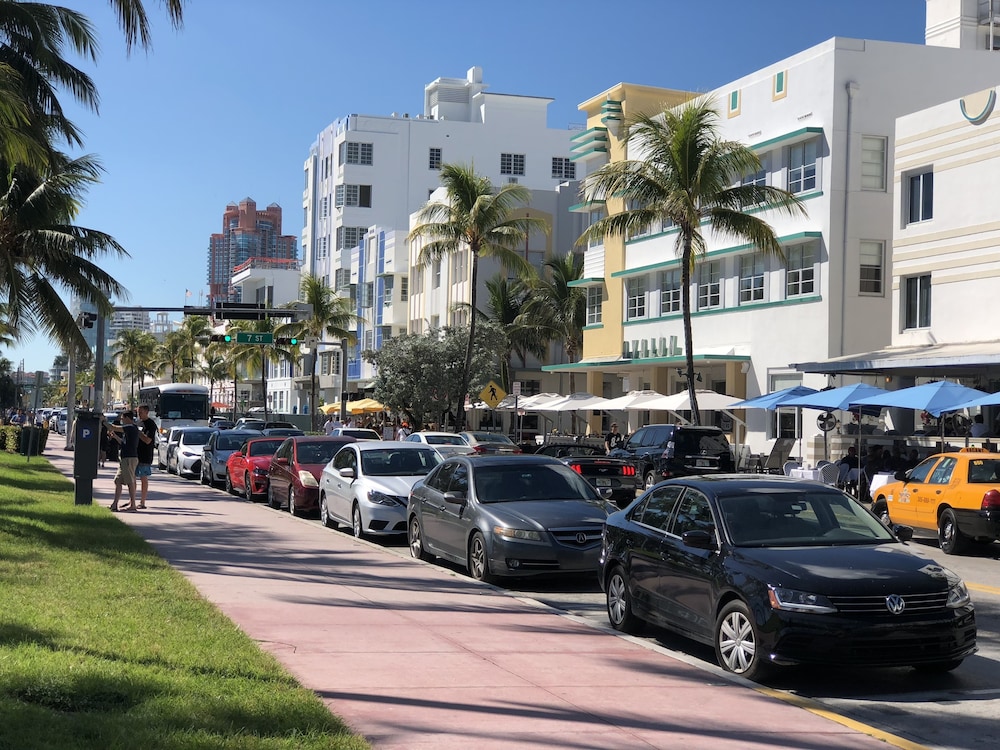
{"x": 820, "y": 710}
{"x": 983, "y": 588}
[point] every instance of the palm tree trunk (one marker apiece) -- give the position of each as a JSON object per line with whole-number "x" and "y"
{"x": 460, "y": 413}
{"x": 688, "y": 339}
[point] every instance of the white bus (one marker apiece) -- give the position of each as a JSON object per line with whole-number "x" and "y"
{"x": 176, "y": 405}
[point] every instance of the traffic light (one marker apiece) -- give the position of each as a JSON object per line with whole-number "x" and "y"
{"x": 223, "y": 337}
{"x": 88, "y": 319}
{"x": 287, "y": 341}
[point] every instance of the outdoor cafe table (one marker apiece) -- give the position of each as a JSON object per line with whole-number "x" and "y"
{"x": 813, "y": 474}
{"x": 880, "y": 479}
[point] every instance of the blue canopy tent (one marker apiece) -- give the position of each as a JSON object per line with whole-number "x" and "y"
{"x": 934, "y": 398}
{"x": 839, "y": 399}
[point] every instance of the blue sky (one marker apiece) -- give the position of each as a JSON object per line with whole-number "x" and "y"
{"x": 227, "y": 107}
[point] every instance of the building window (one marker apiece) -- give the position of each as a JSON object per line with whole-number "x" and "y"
{"x": 356, "y": 153}
{"x": 917, "y": 313}
{"x": 756, "y": 178}
{"x": 596, "y": 216}
{"x": 436, "y": 274}
{"x": 800, "y": 273}
{"x": 872, "y": 255}
{"x": 594, "y": 305}
{"x": 873, "y": 151}
{"x": 458, "y": 267}
{"x": 387, "y": 284}
{"x": 349, "y": 237}
{"x": 434, "y": 159}
{"x": 751, "y": 278}
{"x": 404, "y": 288}
{"x": 921, "y": 196}
{"x": 366, "y": 294}
{"x": 562, "y": 168}
{"x": 342, "y": 278}
{"x": 512, "y": 164}
{"x": 635, "y": 289}
{"x": 353, "y": 195}
{"x": 802, "y": 166}
{"x": 710, "y": 285}
{"x": 326, "y": 207}
{"x": 670, "y": 292}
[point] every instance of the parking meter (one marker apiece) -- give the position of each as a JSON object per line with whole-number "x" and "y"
{"x": 86, "y": 453}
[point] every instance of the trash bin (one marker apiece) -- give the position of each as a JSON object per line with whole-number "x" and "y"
{"x": 31, "y": 441}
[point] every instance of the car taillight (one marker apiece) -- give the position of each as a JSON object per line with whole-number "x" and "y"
{"x": 628, "y": 471}
{"x": 991, "y": 500}
{"x": 479, "y": 448}
{"x": 577, "y": 468}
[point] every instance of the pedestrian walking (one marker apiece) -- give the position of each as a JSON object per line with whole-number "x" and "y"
{"x": 129, "y": 458}
{"x": 147, "y": 444}
{"x": 613, "y": 439}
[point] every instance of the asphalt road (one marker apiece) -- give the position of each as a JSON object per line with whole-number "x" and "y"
{"x": 956, "y": 711}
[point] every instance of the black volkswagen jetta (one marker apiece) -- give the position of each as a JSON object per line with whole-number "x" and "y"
{"x": 775, "y": 571}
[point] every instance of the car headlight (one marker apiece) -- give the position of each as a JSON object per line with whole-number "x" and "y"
{"x": 259, "y": 472}
{"x": 380, "y": 498}
{"x": 307, "y": 479}
{"x": 523, "y": 534}
{"x": 791, "y": 600}
{"x": 958, "y": 596}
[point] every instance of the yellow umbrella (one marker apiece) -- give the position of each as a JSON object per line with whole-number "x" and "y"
{"x": 330, "y": 408}
{"x": 364, "y": 406}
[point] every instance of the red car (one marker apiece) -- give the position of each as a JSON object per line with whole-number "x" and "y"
{"x": 246, "y": 469}
{"x": 293, "y": 477}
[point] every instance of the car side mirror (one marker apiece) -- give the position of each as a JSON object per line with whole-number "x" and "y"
{"x": 902, "y": 533}
{"x": 347, "y": 472}
{"x": 699, "y": 539}
{"x": 280, "y": 461}
{"x": 900, "y": 476}
{"x": 457, "y": 498}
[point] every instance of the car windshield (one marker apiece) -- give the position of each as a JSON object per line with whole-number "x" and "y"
{"x": 319, "y": 452}
{"x": 444, "y": 439}
{"x": 772, "y": 517}
{"x": 230, "y": 442}
{"x": 264, "y": 447}
{"x": 196, "y": 437}
{"x": 515, "y": 482}
{"x": 393, "y": 462}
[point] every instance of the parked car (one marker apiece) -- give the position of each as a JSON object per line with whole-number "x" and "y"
{"x": 662, "y": 451}
{"x": 221, "y": 423}
{"x": 489, "y": 442}
{"x": 216, "y": 452}
{"x": 507, "y": 516}
{"x": 294, "y": 472}
{"x": 367, "y": 484}
{"x": 956, "y": 495}
{"x": 774, "y": 571}
{"x": 254, "y": 423}
{"x": 59, "y": 415}
{"x": 358, "y": 433}
{"x": 445, "y": 443}
{"x": 282, "y": 431}
{"x": 614, "y": 478}
{"x": 185, "y": 458}
{"x": 165, "y": 445}
{"x": 246, "y": 469}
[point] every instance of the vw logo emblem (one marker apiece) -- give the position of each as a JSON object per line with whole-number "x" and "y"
{"x": 581, "y": 538}
{"x": 895, "y": 604}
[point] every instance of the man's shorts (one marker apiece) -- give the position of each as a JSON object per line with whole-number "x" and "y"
{"x": 144, "y": 470}
{"x": 126, "y": 471}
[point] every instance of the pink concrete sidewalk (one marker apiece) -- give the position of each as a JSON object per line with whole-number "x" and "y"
{"x": 415, "y": 656}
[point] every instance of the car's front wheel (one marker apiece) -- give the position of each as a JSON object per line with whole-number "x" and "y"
{"x": 204, "y": 476}
{"x": 291, "y": 501}
{"x": 953, "y": 541}
{"x": 416, "y": 539}
{"x": 881, "y": 510}
{"x": 620, "y": 612}
{"x": 737, "y": 642}
{"x": 324, "y": 513}
{"x": 229, "y": 484}
{"x": 649, "y": 480}
{"x": 479, "y": 559}
{"x": 247, "y": 487}
{"x": 357, "y": 525}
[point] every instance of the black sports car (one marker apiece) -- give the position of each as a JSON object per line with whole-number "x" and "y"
{"x": 614, "y": 478}
{"x": 775, "y": 571}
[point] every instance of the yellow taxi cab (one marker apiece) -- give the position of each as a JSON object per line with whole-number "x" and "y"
{"x": 956, "y": 494}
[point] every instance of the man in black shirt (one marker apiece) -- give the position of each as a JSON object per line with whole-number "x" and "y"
{"x": 129, "y": 457}
{"x": 147, "y": 444}
{"x": 614, "y": 439}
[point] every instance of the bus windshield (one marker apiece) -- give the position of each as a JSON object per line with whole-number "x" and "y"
{"x": 183, "y": 406}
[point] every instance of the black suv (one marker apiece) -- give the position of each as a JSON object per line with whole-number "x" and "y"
{"x": 662, "y": 451}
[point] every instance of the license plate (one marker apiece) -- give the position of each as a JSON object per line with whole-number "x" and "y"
{"x": 603, "y": 482}
{"x": 702, "y": 462}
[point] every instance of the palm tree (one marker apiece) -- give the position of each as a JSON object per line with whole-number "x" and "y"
{"x": 255, "y": 359}
{"x": 214, "y": 368}
{"x": 194, "y": 333}
{"x": 133, "y": 352}
{"x": 43, "y": 254}
{"x": 170, "y": 354}
{"x": 557, "y": 310}
{"x": 135, "y": 24}
{"x": 331, "y": 316}
{"x": 689, "y": 176}
{"x": 476, "y": 217}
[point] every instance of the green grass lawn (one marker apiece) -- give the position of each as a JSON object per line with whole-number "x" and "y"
{"x": 103, "y": 645}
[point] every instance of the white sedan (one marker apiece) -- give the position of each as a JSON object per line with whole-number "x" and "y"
{"x": 446, "y": 443}
{"x": 367, "y": 485}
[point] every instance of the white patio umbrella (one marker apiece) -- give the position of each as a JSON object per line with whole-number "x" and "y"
{"x": 631, "y": 401}
{"x": 575, "y": 402}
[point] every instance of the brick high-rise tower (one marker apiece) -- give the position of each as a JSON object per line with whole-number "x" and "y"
{"x": 247, "y": 234}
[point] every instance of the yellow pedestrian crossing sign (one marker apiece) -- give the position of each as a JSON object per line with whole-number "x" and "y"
{"x": 492, "y": 395}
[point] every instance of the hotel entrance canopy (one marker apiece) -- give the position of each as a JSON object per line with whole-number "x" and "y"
{"x": 973, "y": 359}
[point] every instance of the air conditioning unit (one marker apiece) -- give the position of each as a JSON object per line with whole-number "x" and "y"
{"x": 511, "y": 180}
